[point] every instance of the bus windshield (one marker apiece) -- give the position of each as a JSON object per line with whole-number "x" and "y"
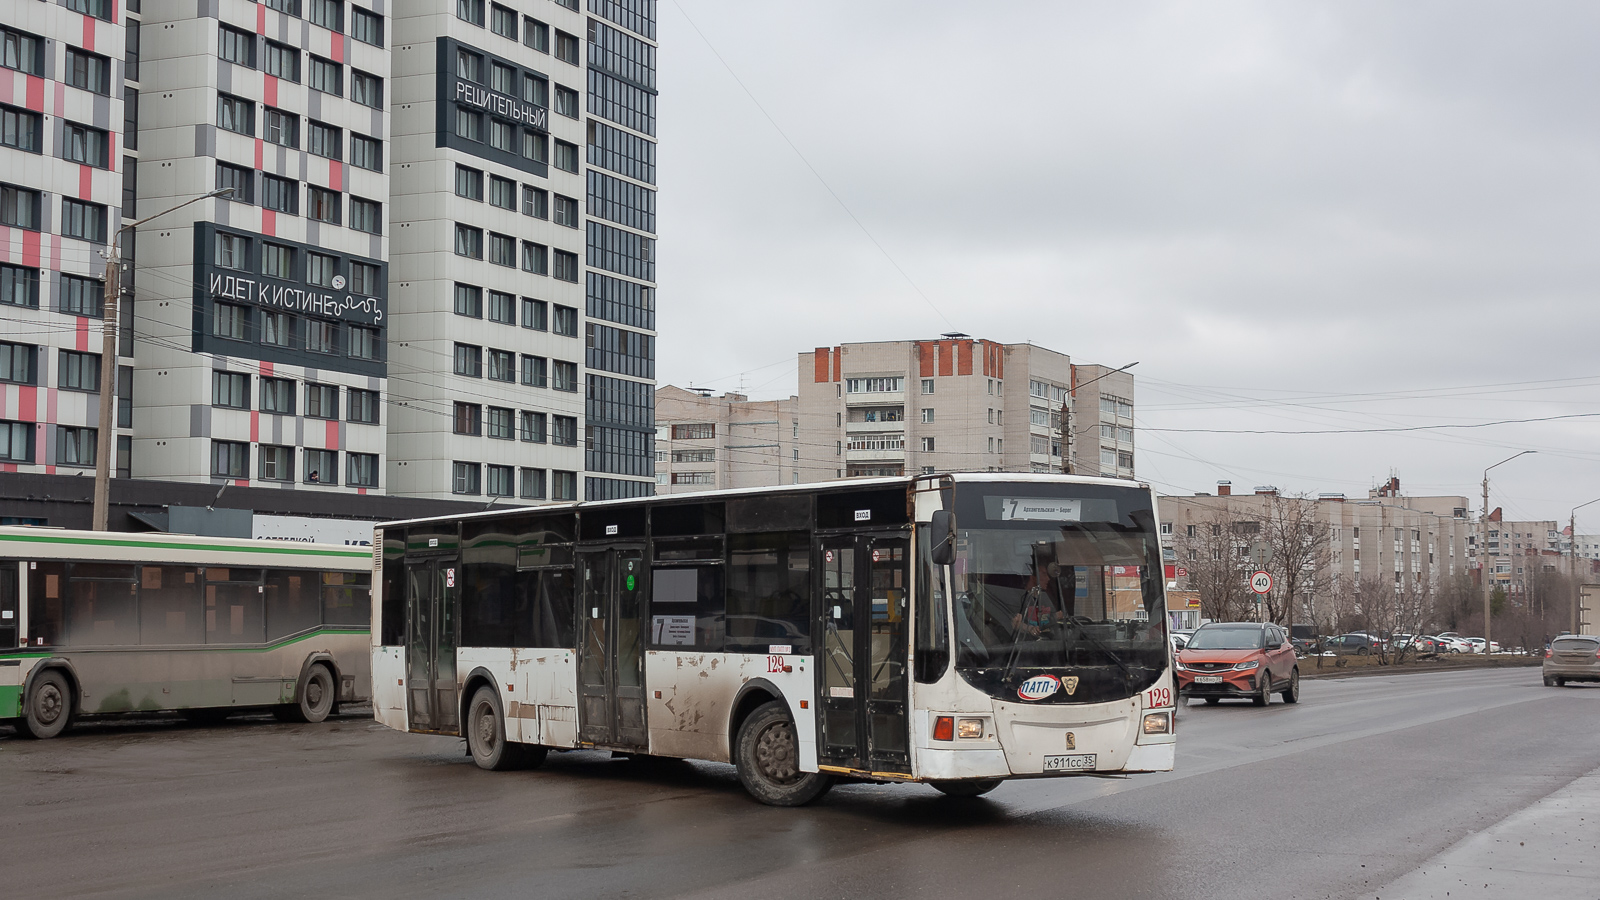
{"x": 1058, "y": 579}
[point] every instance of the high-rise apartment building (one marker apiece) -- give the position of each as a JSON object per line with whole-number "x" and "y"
{"x": 706, "y": 443}
{"x": 523, "y": 270}
{"x": 960, "y": 404}
{"x": 427, "y": 268}
{"x": 68, "y": 82}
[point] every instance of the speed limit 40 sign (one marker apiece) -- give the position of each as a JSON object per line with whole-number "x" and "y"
{"x": 1261, "y": 582}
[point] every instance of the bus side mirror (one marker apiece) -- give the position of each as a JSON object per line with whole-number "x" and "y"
{"x": 943, "y": 535}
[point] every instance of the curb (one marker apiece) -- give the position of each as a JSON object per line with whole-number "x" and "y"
{"x": 1330, "y": 672}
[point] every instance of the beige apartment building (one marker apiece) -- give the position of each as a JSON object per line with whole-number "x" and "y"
{"x": 1517, "y": 551}
{"x": 959, "y": 404}
{"x": 707, "y": 443}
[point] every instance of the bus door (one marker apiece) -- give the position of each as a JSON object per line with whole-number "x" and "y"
{"x": 863, "y": 608}
{"x": 431, "y": 644}
{"x": 610, "y": 648}
{"x": 10, "y": 608}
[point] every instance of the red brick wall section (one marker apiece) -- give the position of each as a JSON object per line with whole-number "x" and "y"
{"x": 838, "y": 364}
{"x": 925, "y": 355}
{"x": 947, "y": 357}
{"x": 966, "y": 357}
{"x": 819, "y": 365}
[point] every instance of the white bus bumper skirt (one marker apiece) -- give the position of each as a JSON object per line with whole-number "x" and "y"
{"x": 1152, "y": 758}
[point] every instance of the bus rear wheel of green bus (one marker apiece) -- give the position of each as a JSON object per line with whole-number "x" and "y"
{"x": 316, "y": 698}
{"x": 49, "y": 709}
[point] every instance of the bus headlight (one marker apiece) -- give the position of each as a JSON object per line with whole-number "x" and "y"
{"x": 972, "y": 729}
{"x": 1157, "y": 723}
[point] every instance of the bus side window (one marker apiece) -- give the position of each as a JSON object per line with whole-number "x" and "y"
{"x": 46, "y": 583}
{"x": 292, "y": 603}
{"x": 686, "y": 608}
{"x": 554, "y": 621}
{"x": 932, "y": 624}
{"x": 769, "y": 591}
{"x": 102, "y": 605}
{"x": 346, "y": 598}
{"x": 170, "y": 610}
{"x": 394, "y": 588}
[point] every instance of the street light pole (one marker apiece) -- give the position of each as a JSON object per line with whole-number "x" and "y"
{"x": 108, "y": 365}
{"x": 1483, "y": 553}
{"x": 1572, "y": 559}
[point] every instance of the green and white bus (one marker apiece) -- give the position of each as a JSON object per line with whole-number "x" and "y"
{"x": 97, "y": 623}
{"x": 956, "y": 630}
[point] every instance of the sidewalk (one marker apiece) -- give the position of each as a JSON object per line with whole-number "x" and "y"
{"x": 1551, "y": 851}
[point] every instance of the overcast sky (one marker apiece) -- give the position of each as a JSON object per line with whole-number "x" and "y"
{"x": 1294, "y": 216}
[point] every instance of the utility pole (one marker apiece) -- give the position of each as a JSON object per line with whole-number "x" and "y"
{"x": 104, "y": 440}
{"x": 1483, "y": 555}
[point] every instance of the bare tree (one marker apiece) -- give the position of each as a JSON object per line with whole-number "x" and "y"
{"x": 1301, "y": 554}
{"x": 1215, "y": 569}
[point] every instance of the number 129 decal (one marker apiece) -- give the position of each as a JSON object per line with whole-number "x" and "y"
{"x": 1155, "y": 698}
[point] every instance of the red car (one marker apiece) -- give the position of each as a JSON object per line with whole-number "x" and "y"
{"x": 1246, "y": 660}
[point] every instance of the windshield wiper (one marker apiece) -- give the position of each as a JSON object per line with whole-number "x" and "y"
{"x": 1104, "y": 650}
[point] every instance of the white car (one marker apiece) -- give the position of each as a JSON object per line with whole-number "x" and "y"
{"x": 1477, "y": 645}
{"x": 1456, "y": 644}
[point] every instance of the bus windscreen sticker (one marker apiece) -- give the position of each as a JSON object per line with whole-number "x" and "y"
{"x": 1039, "y": 687}
{"x": 1040, "y": 509}
{"x": 673, "y": 631}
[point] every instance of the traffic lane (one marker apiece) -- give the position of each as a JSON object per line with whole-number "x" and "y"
{"x": 356, "y": 809}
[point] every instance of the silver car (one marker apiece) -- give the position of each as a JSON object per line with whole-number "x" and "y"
{"x": 1572, "y": 657}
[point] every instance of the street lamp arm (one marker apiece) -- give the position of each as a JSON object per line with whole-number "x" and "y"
{"x": 132, "y": 225}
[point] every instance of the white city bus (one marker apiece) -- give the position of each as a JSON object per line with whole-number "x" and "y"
{"x": 956, "y": 630}
{"x": 101, "y": 622}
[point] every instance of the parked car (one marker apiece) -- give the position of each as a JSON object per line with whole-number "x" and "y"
{"x": 1238, "y": 659}
{"x": 1454, "y": 643}
{"x": 1353, "y": 644}
{"x": 1399, "y": 642}
{"x": 1179, "y": 638}
{"x": 1477, "y": 645}
{"x": 1572, "y": 657}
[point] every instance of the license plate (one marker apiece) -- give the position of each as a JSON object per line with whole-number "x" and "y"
{"x": 1208, "y": 679}
{"x": 1074, "y": 763}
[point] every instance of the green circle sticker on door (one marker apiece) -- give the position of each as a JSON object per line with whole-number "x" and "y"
{"x": 630, "y": 582}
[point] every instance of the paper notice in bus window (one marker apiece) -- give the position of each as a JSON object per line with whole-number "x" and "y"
{"x": 1040, "y": 509}
{"x": 52, "y": 587}
{"x": 672, "y": 631}
{"x": 151, "y": 578}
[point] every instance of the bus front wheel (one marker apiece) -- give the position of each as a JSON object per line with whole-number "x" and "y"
{"x": 768, "y": 760}
{"x": 49, "y": 709}
{"x": 486, "y": 736}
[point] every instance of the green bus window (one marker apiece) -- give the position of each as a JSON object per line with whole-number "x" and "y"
{"x": 170, "y": 610}
{"x": 346, "y": 598}
{"x": 233, "y": 606}
{"x": 102, "y": 606}
{"x": 293, "y": 606}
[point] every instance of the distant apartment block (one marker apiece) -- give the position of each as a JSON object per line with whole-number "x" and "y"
{"x": 709, "y": 443}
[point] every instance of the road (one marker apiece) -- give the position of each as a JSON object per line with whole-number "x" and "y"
{"x": 1367, "y": 781}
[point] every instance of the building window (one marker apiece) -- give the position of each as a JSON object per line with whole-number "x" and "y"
{"x": 502, "y": 308}
{"x": 363, "y": 469}
{"x": 470, "y": 11}
{"x": 328, "y": 13}
{"x": 322, "y": 205}
{"x": 22, "y": 52}
{"x": 536, "y": 34}
{"x": 76, "y": 446}
{"x": 468, "y": 419}
{"x": 469, "y": 183}
{"x": 535, "y": 202}
{"x": 277, "y": 329}
{"x": 500, "y": 425}
{"x": 502, "y": 365}
{"x": 534, "y": 371}
{"x": 502, "y": 136}
{"x": 19, "y": 207}
{"x": 19, "y": 286}
{"x": 363, "y": 406}
{"x": 21, "y": 129}
{"x": 320, "y": 336}
{"x": 503, "y": 79}
{"x": 566, "y": 103}
{"x": 927, "y": 386}
{"x": 469, "y": 301}
{"x": 282, "y": 61}
{"x": 465, "y": 475}
{"x": 228, "y": 321}
{"x": 503, "y": 21}
{"x": 364, "y": 278}
{"x": 533, "y": 427}
{"x": 694, "y": 432}
{"x": 88, "y": 71}
{"x": 230, "y": 459}
{"x": 502, "y": 192}
{"x": 565, "y": 321}
{"x": 363, "y": 343}
{"x": 230, "y": 389}
{"x": 566, "y": 266}
{"x": 277, "y": 463}
{"x": 564, "y": 431}
{"x": 17, "y": 363}
{"x": 469, "y": 241}
{"x": 535, "y": 146}
{"x": 327, "y": 76}
{"x": 277, "y": 396}
{"x": 321, "y": 268}
{"x": 499, "y": 481}
{"x": 566, "y": 211}
{"x": 366, "y": 27}
{"x": 82, "y": 296}
{"x": 280, "y": 194}
{"x": 889, "y": 385}
{"x": 502, "y": 250}
{"x": 566, "y": 156}
{"x": 366, "y": 152}
{"x": 366, "y": 89}
{"x": 563, "y": 375}
{"x": 325, "y": 140}
{"x": 289, "y": 7}
{"x": 366, "y": 215}
{"x": 322, "y": 466}
{"x": 532, "y": 484}
{"x": 927, "y": 445}
{"x": 469, "y": 361}
{"x": 567, "y": 47}
{"x": 242, "y": 182}
{"x": 927, "y": 416}
{"x": 533, "y": 313}
{"x": 236, "y": 114}
{"x": 84, "y": 145}
{"x": 469, "y": 125}
{"x": 277, "y": 261}
{"x": 83, "y": 220}
{"x": 322, "y": 401}
{"x": 535, "y": 258}
{"x": 563, "y": 485}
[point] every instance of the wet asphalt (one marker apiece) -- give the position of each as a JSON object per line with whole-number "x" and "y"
{"x": 1355, "y": 787}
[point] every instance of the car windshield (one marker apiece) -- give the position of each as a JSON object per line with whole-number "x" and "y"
{"x": 1058, "y": 577}
{"x": 1243, "y": 638}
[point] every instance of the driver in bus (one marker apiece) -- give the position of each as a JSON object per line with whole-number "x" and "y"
{"x": 1041, "y": 611}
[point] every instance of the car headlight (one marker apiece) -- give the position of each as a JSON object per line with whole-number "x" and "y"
{"x": 1178, "y": 665}
{"x": 1250, "y": 664}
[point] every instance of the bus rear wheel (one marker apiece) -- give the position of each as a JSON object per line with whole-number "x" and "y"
{"x": 49, "y": 709}
{"x": 486, "y": 736}
{"x": 966, "y": 788}
{"x": 768, "y": 759}
{"x": 316, "y": 698}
